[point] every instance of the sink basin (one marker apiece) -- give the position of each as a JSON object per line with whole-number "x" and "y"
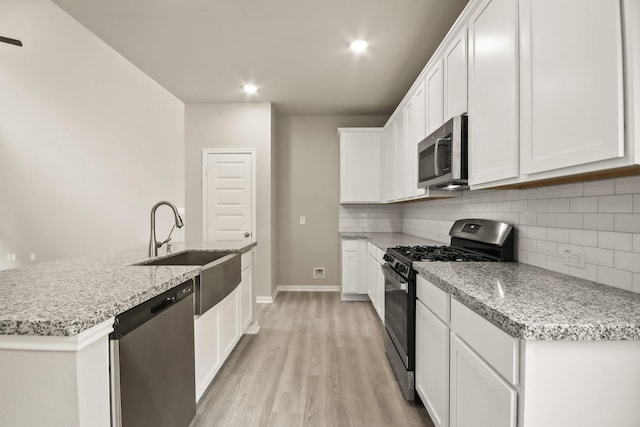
{"x": 219, "y": 276}
{"x": 187, "y": 258}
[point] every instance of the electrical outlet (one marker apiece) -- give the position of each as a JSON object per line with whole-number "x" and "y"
{"x": 13, "y": 257}
{"x": 33, "y": 257}
{"x": 574, "y": 259}
{"x": 303, "y": 220}
{"x": 318, "y": 272}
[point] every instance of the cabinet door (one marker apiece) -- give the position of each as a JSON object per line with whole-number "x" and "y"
{"x": 434, "y": 82}
{"x": 350, "y": 266}
{"x": 380, "y": 298}
{"x": 479, "y": 396}
{"x": 371, "y": 275}
{"x": 493, "y": 89}
{"x": 432, "y": 364}
{"x": 401, "y": 155}
{"x": 571, "y": 83}
{"x": 354, "y": 267}
{"x": 388, "y": 166}
{"x": 229, "y": 325}
{"x": 415, "y": 130}
{"x": 360, "y": 166}
{"x": 246, "y": 298}
{"x": 455, "y": 76}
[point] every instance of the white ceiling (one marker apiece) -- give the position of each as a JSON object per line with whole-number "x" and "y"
{"x": 295, "y": 51}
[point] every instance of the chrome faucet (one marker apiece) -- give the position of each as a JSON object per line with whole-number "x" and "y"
{"x": 153, "y": 242}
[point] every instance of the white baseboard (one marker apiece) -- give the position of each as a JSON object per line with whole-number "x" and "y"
{"x": 253, "y": 328}
{"x": 314, "y": 288}
{"x": 264, "y": 300}
{"x": 354, "y": 297}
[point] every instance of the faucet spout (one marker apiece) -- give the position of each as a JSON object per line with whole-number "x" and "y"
{"x": 153, "y": 241}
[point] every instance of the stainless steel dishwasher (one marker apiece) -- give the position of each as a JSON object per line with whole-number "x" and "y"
{"x": 152, "y": 362}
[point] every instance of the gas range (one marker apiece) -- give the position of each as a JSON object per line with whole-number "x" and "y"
{"x": 471, "y": 240}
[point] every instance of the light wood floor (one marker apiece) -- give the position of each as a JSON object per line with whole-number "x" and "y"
{"x": 317, "y": 361}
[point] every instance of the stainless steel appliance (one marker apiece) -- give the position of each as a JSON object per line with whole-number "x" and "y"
{"x": 471, "y": 240}
{"x": 152, "y": 362}
{"x": 442, "y": 157}
{"x": 219, "y": 275}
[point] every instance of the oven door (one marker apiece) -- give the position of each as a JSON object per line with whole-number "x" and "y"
{"x": 397, "y": 313}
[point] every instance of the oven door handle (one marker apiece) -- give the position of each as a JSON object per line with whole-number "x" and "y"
{"x": 395, "y": 279}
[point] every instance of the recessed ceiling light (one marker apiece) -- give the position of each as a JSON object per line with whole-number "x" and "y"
{"x": 250, "y": 89}
{"x": 359, "y": 46}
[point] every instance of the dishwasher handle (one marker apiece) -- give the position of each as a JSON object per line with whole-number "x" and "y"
{"x": 134, "y": 317}
{"x": 164, "y": 304}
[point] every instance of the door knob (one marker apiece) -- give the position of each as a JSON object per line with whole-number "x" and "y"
{"x": 247, "y": 234}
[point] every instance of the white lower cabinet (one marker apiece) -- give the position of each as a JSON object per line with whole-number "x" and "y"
{"x": 470, "y": 373}
{"x": 354, "y": 267}
{"x": 362, "y": 275}
{"x": 246, "y": 291}
{"x": 479, "y": 396}
{"x": 376, "y": 279}
{"x": 217, "y": 331}
{"x": 432, "y": 364}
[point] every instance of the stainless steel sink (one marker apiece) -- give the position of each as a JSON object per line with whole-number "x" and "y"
{"x": 188, "y": 258}
{"x": 219, "y": 276}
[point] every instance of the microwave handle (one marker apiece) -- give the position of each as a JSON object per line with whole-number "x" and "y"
{"x": 435, "y": 158}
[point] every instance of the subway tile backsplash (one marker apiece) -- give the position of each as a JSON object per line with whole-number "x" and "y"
{"x": 370, "y": 218}
{"x": 599, "y": 218}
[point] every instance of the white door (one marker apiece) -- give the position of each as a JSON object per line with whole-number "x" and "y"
{"x": 228, "y": 197}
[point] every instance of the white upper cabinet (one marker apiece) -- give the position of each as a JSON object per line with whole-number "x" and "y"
{"x": 571, "y": 83}
{"x": 455, "y": 76}
{"x": 360, "y": 165}
{"x": 434, "y": 83}
{"x": 493, "y": 92}
{"x": 414, "y": 121}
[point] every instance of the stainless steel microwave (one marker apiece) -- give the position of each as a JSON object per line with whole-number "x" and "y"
{"x": 442, "y": 157}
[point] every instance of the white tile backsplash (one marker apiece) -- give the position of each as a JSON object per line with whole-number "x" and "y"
{"x": 599, "y": 218}
{"x": 370, "y": 218}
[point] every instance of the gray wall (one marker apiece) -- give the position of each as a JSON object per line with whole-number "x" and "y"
{"x": 233, "y": 125}
{"x": 308, "y": 182}
{"x": 87, "y": 141}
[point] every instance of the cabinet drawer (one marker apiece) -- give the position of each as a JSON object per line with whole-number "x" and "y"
{"x": 434, "y": 298}
{"x": 350, "y": 245}
{"x": 496, "y": 347}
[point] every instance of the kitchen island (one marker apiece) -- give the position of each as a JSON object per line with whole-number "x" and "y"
{"x": 55, "y": 319}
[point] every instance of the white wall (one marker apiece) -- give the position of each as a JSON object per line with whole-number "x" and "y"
{"x": 599, "y": 218}
{"x": 87, "y": 141}
{"x": 308, "y": 183}
{"x": 233, "y": 125}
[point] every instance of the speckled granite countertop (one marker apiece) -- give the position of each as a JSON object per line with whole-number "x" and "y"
{"x": 389, "y": 240}
{"x": 533, "y": 303}
{"x": 67, "y": 297}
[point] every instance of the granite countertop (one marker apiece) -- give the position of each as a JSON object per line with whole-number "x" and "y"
{"x": 67, "y": 297}
{"x": 389, "y": 240}
{"x": 532, "y": 303}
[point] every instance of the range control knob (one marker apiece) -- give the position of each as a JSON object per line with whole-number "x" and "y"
{"x": 386, "y": 257}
